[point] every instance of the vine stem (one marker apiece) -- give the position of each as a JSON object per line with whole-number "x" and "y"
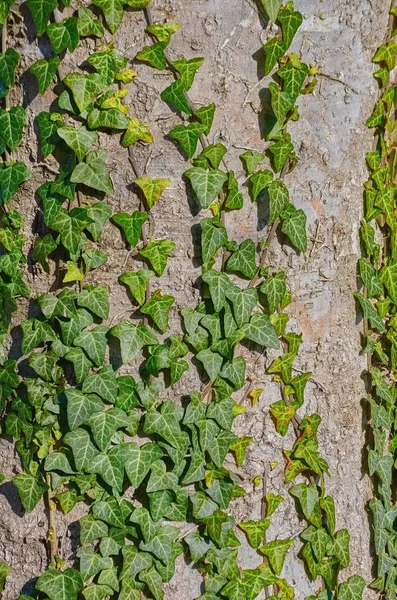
{"x": 52, "y": 532}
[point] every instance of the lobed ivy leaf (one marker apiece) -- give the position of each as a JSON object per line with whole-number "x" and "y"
{"x": 93, "y": 173}
{"x": 213, "y": 237}
{"x": 60, "y": 585}
{"x": 290, "y": 21}
{"x": 132, "y": 339}
{"x": 4, "y": 10}
{"x": 113, "y": 12}
{"x": 131, "y": 225}
{"x": 281, "y": 151}
{"x": 276, "y": 552}
{"x": 152, "y": 188}
{"x": 158, "y": 308}
{"x": 12, "y": 123}
{"x": 294, "y": 227}
{"x": 187, "y": 136}
{"x": 255, "y": 531}
{"x": 136, "y": 132}
{"x": 85, "y": 88}
{"x": 82, "y": 447}
{"x": 96, "y": 299}
{"x": 274, "y": 49}
{"x": 157, "y": 253}
{"x": 93, "y": 343}
{"x": 42, "y": 248}
{"x": 206, "y": 184}
{"x": 174, "y": 94}
{"x": 12, "y": 175}
{"x": 211, "y": 361}
{"x": 260, "y": 181}
{"x": 293, "y": 78}
{"x": 137, "y": 283}
{"x": 45, "y": 71}
{"x": 205, "y": 114}
{"x": 272, "y": 8}
{"x": 80, "y": 407}
{"x": 41, "y": 11}
{"x": 243, "y": 260}
{"x": 79, "y": 140}
{"x": 64, "y": 35}
{"x": 218, "y": 284}
{"x": 261, "y": 331}
{"x": 110, "y": 118}
{"x": 103, "y": 383}
{"x": 88, "y": 24}
{"x": 30, "y": 490}
{"x": 370, "y": 313}
{"x": 352, "y": 589}
{"x": 154, "y": 56}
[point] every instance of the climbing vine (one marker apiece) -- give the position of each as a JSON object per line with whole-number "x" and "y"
{"x": 377, "y": 273}
{"x": 85, "y": 429}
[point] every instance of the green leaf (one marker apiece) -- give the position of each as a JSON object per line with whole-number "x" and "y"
{"x": 272, "y": 503}
{"x": 60, "y": 585}
{"x": 157, "y": 253}
{"x": 205, "y": 114}
{"x": 283, "y": 415}
{"x": 260, "y": 181}
{"x": 137, "y": 283}
{"x": 104, "y": 425}
{"x": 12, "y": 175}
{"x": 85, "y": 88}
{"x": 352, "y": 589}
{"x": 132, "y": 339}
{"x": 213, "y": 237}
{"x": 279, "y": 199}
{"x": 158, "y": 308}
{"x": 276, "y": 552}
{"x": 175, "y": 94}
{"x": 136, "y": 132}
{"x": 271, "y": 8}
{"x": 388, "y": 276}
{"x": 281, "y": 151}
{"x": 64, "y": 35}
{"x": 140, "y": 461}
{"x": 293, "y": 78}
{"x": 131, "y": 225}
{"x": 152, "y": 188}
{"x": 341, "y": 547}
{"x": 187, "y": 136}
{"x": 48, "y": 133}
{"x": 41, "y": 11}
{"x": 212, "y": 363}
{"x": 82, "y": 447}
{"x": 386, "y": 53}
{"x": 34, "y": 333}
{"x": 96, "y": 299}
{"x": 110, "y": 467}
{"x": 103, "y": 383}
{"x": 307, "y": 495}
{"x": 12, "y": 123}
{"x": 206, "y": 184}
{"x": 110, "y": 118}
{"x": 243, "y": 260}
{"x": 79, "y": 140}
{"x": 4, "y": 10}
{"x": 153, "y": 581}
{"x": 154, "y": 56}
{"x": 73, "y": 273}
{"x": 45, "y": 71}
{"x": 234, "y": 200}
{"x": 261, "y": 331}
{"x": 250, "y": 160}
{"x": 93, "y": 591}
{"x": 290, "y": 21}
{"x": 281, "y": 102}
{"x": 294, "y": 227}
{"x": 219, "y": 284}
{"x": 160, "y": 479}
{"x": 58, "y": 461}
{"x": 93, "y": 172}
{"x": 187, "y": 69}
{"x": 92, "y": 529}
{"x": 8, "y": 63}
{"x": 274, "y": 289}
{"x": 255, "y": 531}
{"x": 99, "y": 213}
{"x": 80, "y": 407}
{"x": 42, "y": 248}
{"x": 234, "y": 372}
{"x": 94, "y": 343}
{"x": 30, "y": 490}
{"x": 274, "y": 49}
{"x": 92, "y": 563}
{"x": 88, "y": 24}
{"x": 163, "y": 32}
{"x": 370, "y": 312}
{"x": 113, "y": 12}
{"x": 239, "y": 447}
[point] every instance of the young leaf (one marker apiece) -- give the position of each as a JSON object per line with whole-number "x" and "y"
{"x": 136, "y": 132}
{"x": 157, "y": 253}
{"x": 152, "y": 188}
{"x": 137, "y": 283}
{"x": 158, "y": 308}
{"x": 187, "y": 69}
{"x": 205, "y": 114}
{"x": 271, "y": 8}
{"x": 45, "y": 71}
{"x": 255, "y": 531}
{"x": 175, "y": 94}
{"x": 187, "y": 136}
{"x": 276, "y": 552}
{"x": 274, "y": 49}
{"x": 290, "y": 21}
{"x": 154, "y": 56}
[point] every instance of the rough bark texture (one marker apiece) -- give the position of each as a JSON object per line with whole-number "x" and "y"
{"x": 340, "y": 36}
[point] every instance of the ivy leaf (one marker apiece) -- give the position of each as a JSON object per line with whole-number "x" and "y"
{"x": 234, "y": 371}
{"x": 157, "y": 253}
{"x": 370, "y": 312}
{"x": 175, "y": 94}
{"x": 213, "y": 237}
{"x": 243, "y": 260}
{"x": 92, "y": 563}
{"x": 131, "y": 225}
{"x": 110, "y": 118}
{"x": 274, "y": 49}
{"x": 152, "y": 188}
{"x": 80, "y": 407}
{"x": 386, "y": 53}
{"x": 274, "y": 288}
{"x": 140, "y": 461}
{"x": 12, "y": 175}
{"x": 88, "y": 24}
{"x": 205, "y": 114}
{"x": 276, "y": 552}
{"x": 64, "y": 35}
{"x": 60, "y": 585}
{"x": 93, "y": 591}
{"x": 99, "y": 213}
{"x": 279, "y": 199}
{"x": 45, "y": 71}
{"x": 30, "y": 490}
{"x": 132, "y": 339}
{"x": 153, "y": 581}
{"x": 41, "y": 11}
{"x": 137, "y": 283}
{"x": 239, "y": 447}
{"x": 93, "y": 172}
{"x": 212, "y": 363}
{"x": 271, "y": 8}
{"x": 259, "y": 181}
{"x": 85, "y": 88}
{"x": 187, "y": 136}
{"x": 110, "y": 467}
{"x": 206, "y": 184}
{"x": 158, "y": 308}
{"x": 290, "y": 21}
{"x": 218, "y": 284}
{"x": 82, "y": 447}
{"x": 261, "y": 331}
{"x": 294, "y": 227}
{"x": 113, "y": 12}
{"x": 12, "y": 123}
{"x": 4, "y": 10}
{"x": 341, "y": 547}
{"x": 307, "y": 495}
{"x": 352, "y": 589}
{"x": 34, "y": 333}
{"x": 250, "y": 160}
{"x": 160, "y": 479}
{"x": 281, "y": 102}
{"x": 187, "y": 69}
{"x": 255, "y": 531}
{"x": 293, "y": 78}
{"x": 283, "y": 415}
{"x": 103, "y": 383}
{"x": 96, "y": 299}
{"x": 94, "y": 343}
{"x": 104, "y": 425}
{"x": 79, "y": 140}
{"x": 281, "y": 151}
{"x": 42, "y": 248}
{"x": 136, "y": 132}
{"x": 154, "y": 56}
{"x": 48, "y": 133}
{"x": 243, "y": 302}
